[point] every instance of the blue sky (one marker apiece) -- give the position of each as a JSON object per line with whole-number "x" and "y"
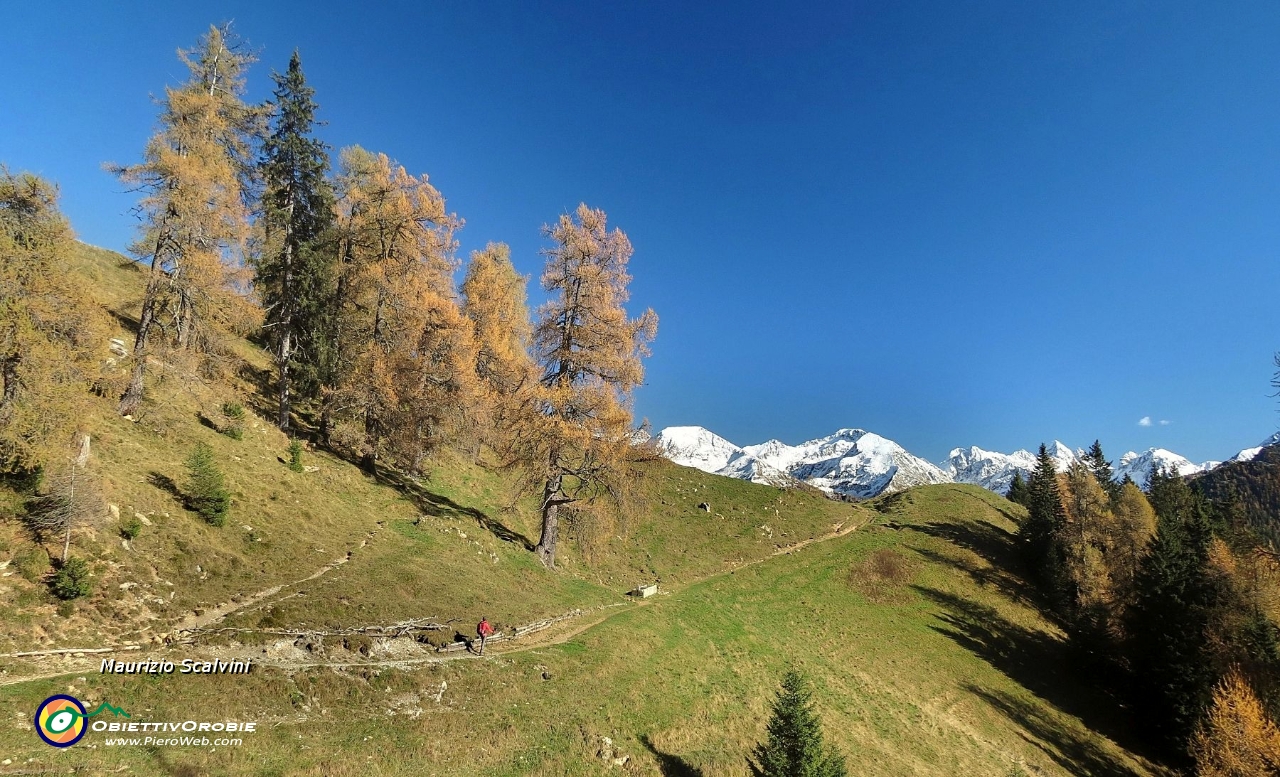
{"x": 953, "y": 224}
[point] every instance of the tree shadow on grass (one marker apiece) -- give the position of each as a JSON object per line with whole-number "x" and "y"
{"x": 166, "y": 484}
{"x": 127, "y": 322}
{"x": 670, "y": 765}
{"x": 1005, "y": 568}
{"x": 440, "y": 506}
{"x": 1075, "y": 754}
{"x": 1042, "y": 663}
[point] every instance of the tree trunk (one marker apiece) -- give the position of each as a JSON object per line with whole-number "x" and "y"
{"x": 546, "y": 548}
{"x": 9, "y": 374}
{"x": 186, "y": 319}
{"x": 286, "y": 323}
{"x": 132, "y": 396}
{"x": 71, "y": 514}
{"x": 286, "y": 353}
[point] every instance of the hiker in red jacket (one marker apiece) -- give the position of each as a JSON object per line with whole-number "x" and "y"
{"x": 485, "y": 630}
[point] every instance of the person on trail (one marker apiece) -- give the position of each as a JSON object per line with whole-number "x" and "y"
{"x": 485, "y": 630}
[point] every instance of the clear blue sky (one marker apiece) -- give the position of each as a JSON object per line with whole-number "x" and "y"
{"x": 952, "y": 224}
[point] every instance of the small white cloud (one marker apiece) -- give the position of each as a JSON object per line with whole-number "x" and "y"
{"x": 1144, "y": 421}
{"x": 1165, "y": 423}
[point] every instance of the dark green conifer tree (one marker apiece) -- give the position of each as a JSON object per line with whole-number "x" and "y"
{"x": 1018, "y": 493}
{"x": 295, "y": 270}
{"x": 1097, "y": 463}
{"x": 1170, "y": 619}
{"x": 1045, "y": 518}
{"x": 794, "y": 747}
{"x": 206, "y": 491}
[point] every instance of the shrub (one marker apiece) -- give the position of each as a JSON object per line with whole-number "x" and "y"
{"x": 235, "y": 415}
{"x": 206, "y": 491}
{"x": 130, "y": 528}
{"x": 72, "y": 580}
{"x": 295, "y": 455}
{"x": 32, "y": 562}
{"x": 66, "y": 609}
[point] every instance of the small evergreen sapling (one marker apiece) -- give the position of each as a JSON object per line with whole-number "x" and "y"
{"x": 72, "y": 581}
{"x": 206, "y": 491}
{"x": 794, "y": 746}
{"x": 295, "y": 455}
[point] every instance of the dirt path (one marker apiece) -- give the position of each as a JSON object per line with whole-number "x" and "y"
{"x": 563, "y": 631}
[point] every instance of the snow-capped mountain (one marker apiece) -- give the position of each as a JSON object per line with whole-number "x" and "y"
{"x": 1138, "y": 466}
{"x": 989, "y": 469}
{"x": 1248, "y": 454}
{"x": 856, "y": 462}
{"x": 694, "y": 446}
{"x": 850, "y": 462}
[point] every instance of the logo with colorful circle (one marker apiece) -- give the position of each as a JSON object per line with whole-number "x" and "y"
{"x": 61, "y": 720}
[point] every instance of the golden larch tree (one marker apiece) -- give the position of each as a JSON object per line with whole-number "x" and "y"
{"x": 1084, "y": 540}
{"x": 1236, "y": 737}
{"x": 1132, "y": 531}
{"x": 53, "y": 338}
{"x": 495, "y": 300}
{"x": 405, "y": 356}
{"x": 589, "y": 352}
{"x": 195, "y": 214}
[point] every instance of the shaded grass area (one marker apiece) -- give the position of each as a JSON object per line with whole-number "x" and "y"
{"x": 950, "y": 677}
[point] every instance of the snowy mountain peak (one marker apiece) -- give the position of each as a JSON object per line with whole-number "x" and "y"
{"x": 1248, "y": 454}
{"x": 694, "y": 446}
{"x": 860, "y": 463}
{"x": 1138, "y": 466}
{"x": 850, "y": 461}
{"x": 989, "y": 469}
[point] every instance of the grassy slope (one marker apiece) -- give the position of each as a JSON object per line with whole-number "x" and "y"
{"x": 939, "y": 667}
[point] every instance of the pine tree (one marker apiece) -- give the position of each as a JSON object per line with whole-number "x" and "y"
{"x": 1170, "y": 620}
{"x": 1018, "y": 493}
{"x": 52, "y": 336}
{"x": 197, "y": 175}
{"x": 1097, "y": 463}
{"x": 1170, "y": 494}
{"x": 576, "y": 443}
{"x": 1045, "y": 518}
{"x": 794, "y": 745}
{"x": 206, "y": 492}
{"x": 296, "y": 267}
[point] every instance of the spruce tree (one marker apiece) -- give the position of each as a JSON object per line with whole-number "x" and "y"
{"x": 295, "y": 270}
{"x": 1018, "y": 493}
{"x": 1171, "y": 616}
{"x": 206, "y": 492}
{"x": 1097, "y": 463}
{"x": 794, "y": 746}
{"x": 1045, "y": 517}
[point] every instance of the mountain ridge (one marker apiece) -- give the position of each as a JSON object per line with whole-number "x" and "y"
{"x": 862, "y": 464}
